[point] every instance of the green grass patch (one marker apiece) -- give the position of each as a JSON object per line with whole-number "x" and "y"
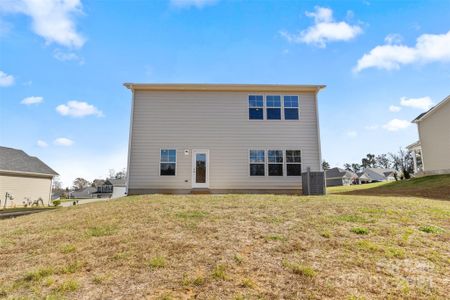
{"x": 219, "y": 272}
{"x": 69, "y": 285}
{"x": 157, "y": 262}
{"x": 299, "y": 269}
{"x": 97, "y": 231}
{"x": 39, "y": 274}
{"x": 430, "y": 229}
{"x": 69, "y": 248}
{"x": 360, "y": 230}
{"x": 352, "y": 218}
{"x": 275, "y": 237}
{"x": 194, "y": 214}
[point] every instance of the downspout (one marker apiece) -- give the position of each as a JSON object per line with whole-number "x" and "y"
{"x": 318, "y": 131}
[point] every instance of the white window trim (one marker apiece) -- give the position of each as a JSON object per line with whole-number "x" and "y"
{"x": 264, "y": 163}
{"x": 293, "y": 163}
{"x": 176, "y": 162}
{"x": 276, "y": 163}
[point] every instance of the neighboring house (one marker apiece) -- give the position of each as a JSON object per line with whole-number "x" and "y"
{"x": 84, "y": 193}
{"x": 24, "y": 177}
{"x": 434, "y": 140}
{"x": 338, "y": 176}
{"x": 111, "y": 188}
{"x": 377, "y": 175}
{"x": 222, "y": 138}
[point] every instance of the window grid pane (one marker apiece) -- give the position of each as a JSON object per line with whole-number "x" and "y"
{"x": 275, "y": 156}
{"x": 273, "y": 101}
{"x": 257, "y": 156}
{"x": 291, "y": 101}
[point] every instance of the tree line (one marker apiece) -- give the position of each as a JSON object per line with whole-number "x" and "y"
{"x": 402, "y": 162}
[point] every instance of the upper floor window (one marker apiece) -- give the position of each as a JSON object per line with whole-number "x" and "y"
{"x": 255, "y": 107}
{"x": 273, "y": 104}
{"x": 257, "y": 162}
{"x": 168, "y": 162}
{"x": 275, "y": 162}
{"x": 291, "y": 107}
{"x": 293, "y": 163}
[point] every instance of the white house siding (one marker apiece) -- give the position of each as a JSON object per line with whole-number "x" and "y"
{"x": 21, "y": 187}
{"x": 217, "y": 121}
{"x": 434, "y": 133}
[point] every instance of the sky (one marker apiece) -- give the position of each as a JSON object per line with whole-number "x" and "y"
{"x": 63, "y": 64}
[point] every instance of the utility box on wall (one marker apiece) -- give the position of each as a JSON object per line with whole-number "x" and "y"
{"x": 313, "y": 183}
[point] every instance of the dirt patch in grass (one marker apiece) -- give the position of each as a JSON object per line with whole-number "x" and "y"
{"x": 230, "y": 247}
{"x": 433, "y": 187}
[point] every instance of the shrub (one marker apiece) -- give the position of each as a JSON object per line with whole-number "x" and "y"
{"x": 360, "y": 230}
{"x": 56, "y": 202}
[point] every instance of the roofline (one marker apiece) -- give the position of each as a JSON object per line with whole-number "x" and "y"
{"x": 196, "y": 87}
{"x": 433, "y": 109}
{"x": 28, "y": 173}
{"x": 413, "y": 145}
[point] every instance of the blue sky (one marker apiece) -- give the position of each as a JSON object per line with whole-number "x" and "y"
{"x": 63, "y": 63}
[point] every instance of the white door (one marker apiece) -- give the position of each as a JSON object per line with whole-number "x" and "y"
{"x": 200, "y": 168}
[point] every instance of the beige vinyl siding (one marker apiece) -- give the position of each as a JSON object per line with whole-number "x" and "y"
{"x": 21, "y": 187}
{"x": 434, "y": 133}
{"x": 217, "y": 121}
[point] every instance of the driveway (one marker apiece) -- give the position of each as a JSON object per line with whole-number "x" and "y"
{"x": 84, "y": 201}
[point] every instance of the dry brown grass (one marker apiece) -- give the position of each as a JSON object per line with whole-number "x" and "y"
{"x": 230, "y": 247}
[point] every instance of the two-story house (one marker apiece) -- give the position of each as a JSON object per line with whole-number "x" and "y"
{"x": 222, "y": 138}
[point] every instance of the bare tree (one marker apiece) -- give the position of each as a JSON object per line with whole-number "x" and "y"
{"x": 80, "y": 183}
{"x": 383, "y": 161}
{"x": 121, "y": 174}
{"x": 403, "y": 162}
{"x": 56, "y": 184}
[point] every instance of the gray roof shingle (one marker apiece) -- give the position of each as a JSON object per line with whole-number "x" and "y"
{"x": 15, "y": 160}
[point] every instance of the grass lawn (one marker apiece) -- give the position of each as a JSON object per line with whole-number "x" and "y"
{"x": 231, "y": 247}
{"x": 436, "y": 187}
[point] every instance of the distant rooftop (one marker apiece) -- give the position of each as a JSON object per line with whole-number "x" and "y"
{"x": 17, "y": 161}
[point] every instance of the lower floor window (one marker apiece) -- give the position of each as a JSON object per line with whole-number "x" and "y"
{"x": 293, "y": 163}
{"x": 168, "y": 162}
{"x": 257, "y": 161}
{"x": 275, "y": 164}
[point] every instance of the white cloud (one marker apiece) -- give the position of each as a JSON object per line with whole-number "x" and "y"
{"x": 41, "y": 144}
{"x": 393, "y": 39}
{"x": 32, "y": 100}
{"x": 63, "y": 142}
{"x": 6, "y": 79}
{"x": 394, "y": 108}
{"x": 396, "y": 124}
{"x": 424, "y": 103}
{"x": 324, "y": 30}
{"x": 78, "y": 109}
{"x": 429, "y": 48}
{"x": 51, "y": 19}
{"x": 67, "y": 56}
{"x": 352, "y": 133}
{"x": 371, "y": 127}
{"x": 191, "y": 3}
